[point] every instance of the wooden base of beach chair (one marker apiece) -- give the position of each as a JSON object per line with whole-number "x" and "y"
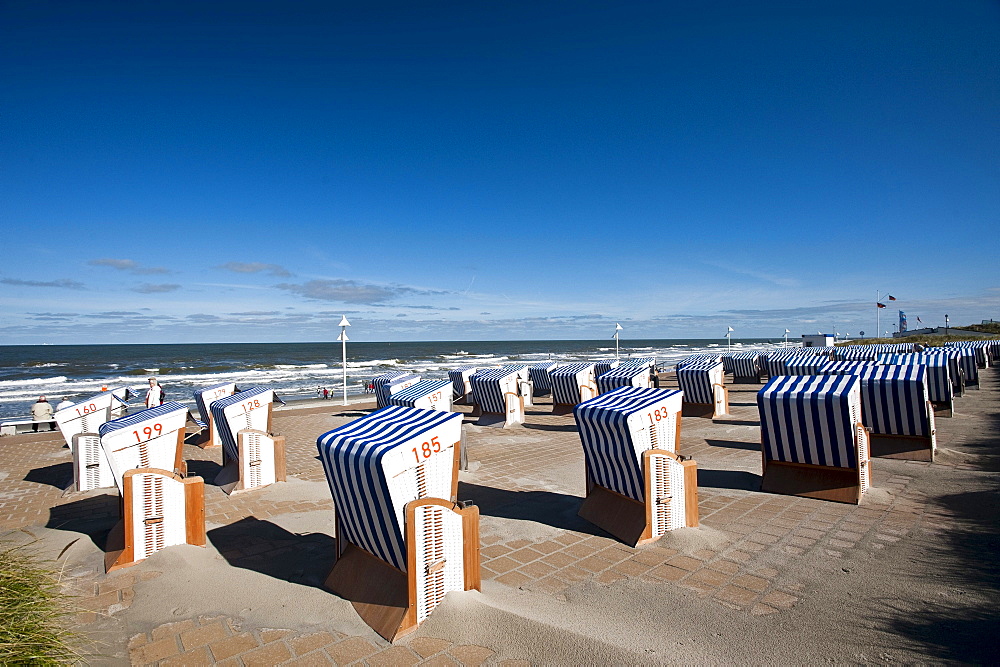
{"x": 944, "y": 408}
{"x": 562, "y": 408}
{"x": 391, "y": 601}
{"x": 152, "y": 521}
{"x": 261, "y": 463}
{"x": 905, "y": 447}
{"x": 841, "y": 485}
{"x": 636, "y": 523}
{"x": 709, "y": 410}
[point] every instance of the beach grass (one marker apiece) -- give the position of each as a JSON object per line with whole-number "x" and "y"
{"x": 33, "y": 612}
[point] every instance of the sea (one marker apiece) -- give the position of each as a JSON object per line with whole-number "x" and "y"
{"x": 295, "y": 371}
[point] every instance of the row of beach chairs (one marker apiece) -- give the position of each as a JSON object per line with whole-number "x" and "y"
{"x": 403, "y": 537}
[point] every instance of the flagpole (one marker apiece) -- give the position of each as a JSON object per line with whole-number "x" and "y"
{"x": 877, "y": 319}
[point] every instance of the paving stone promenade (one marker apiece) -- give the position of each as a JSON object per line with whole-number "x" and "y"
{"x": 756, "y": 559}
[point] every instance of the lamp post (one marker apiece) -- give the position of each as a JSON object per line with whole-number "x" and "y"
{"x": 618, "y": 327}
{"x": 945, "y": 325}
{"x": 343, "y": 348}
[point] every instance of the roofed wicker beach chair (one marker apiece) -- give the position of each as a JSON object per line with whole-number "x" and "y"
{"x": 981, "y": 347}
{"x": 940, "y": 388}
{"x": 79, "y": 424}
{"x": 251, "y": 456}
{"x": 956, "y": 369}
{"x": 805, "y": 364}
{"x": 896, "y": 408}
{"x": 403, "y": 542}
{"x": 813, "y": 442}
{"x": 426, "y": 394}
{"x": 497, "y": 397}
{"x": 160, "y": 506}
{"x": 541, "y": 385}
{"x": 624, "y": 376}
{"x": 705, "y": 395}
{"x": 203, "y": 398}
{"x": 843, "y": 367}
{"x": 86, "y": 416}
{"x": 744, "y": 367}
{"x": 572, "y": 384}
{"x": 461, "y": 387}
{"x": 856, "y": 353}
{"x": 389, "y": 383}
{"x": 697, "y": 359}
{"x": 638, "y": 487}
{"x": 602, "y": 367}
{"x": 774, "y": 362}
{"x": 525, "y": 387}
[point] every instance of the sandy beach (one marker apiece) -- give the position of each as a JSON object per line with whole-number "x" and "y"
{"x": 906, "y": 576}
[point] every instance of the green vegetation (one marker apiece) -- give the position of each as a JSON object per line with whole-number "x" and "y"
{"x": 33, "y": 613}
{"x": 971, "y": 332}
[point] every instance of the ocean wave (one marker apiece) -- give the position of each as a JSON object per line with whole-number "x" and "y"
{"x": 285, "y": 367}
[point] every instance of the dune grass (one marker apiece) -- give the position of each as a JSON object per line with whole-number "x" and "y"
{"x": 33, "y": 613}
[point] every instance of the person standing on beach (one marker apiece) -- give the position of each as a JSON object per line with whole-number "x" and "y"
{"x": 154, "y": 396}
{"x": 326, "y": 393}
{"x": 41, "y": 411}
{"x": 65, "y": 403}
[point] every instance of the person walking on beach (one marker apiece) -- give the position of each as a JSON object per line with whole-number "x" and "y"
{"x": 41, "y": 411}
{"x": 326, "y": 394}
{"x": 154, "y": 396}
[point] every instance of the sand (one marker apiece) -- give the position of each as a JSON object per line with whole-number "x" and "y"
{"x": 907, "y": 576}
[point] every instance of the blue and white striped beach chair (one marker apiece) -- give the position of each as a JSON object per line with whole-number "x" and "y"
{"x": 389, "y": 383}
{"x": 497, "y": 397}
{"x": 525, "y": 388}
{"x": 843, "y": 367}
{"x": 160, "y": 506}
{"x": 539, "y": 373}
{"x": 940, "y": 389}
{"x": 251, "y": 456}
{"x": 698, "y": 359}
{"x": 804, "y": 364}
{"x": 462, "y": 388}
{"x": 638, "y": 488}
{"x": 704, "y": 393}
{"x": 897, "y": 411}
{"x": 79, "y": 424}
{"x": 203, "y": 398}
{"x": 426, "y": 394}
{"x": 774, "y": 362}
{"x": 602, "y": 367}
{"x": 813, "y": 442}
{"x": 624, "y": 376}
{"x": 856, "y": 353}
{"x": 402, "y": 541}
{"x": 572, "y": 384}
{"x": 744, "y": 367}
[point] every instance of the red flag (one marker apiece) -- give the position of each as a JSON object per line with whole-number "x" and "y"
{"x": 892, "y": 298}
{"x": 880, "y": 305}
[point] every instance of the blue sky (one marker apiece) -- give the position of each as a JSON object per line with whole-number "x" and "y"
{"x": 215, "y": 172}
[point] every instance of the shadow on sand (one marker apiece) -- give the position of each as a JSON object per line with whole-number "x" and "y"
{"x": 558, "y": 510}
{"x": 261, "y": 546}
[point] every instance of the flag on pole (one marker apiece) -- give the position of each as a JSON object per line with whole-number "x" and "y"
{"x": 902, "y": 321}
{"x": 918, "y": 320}
{"x": 892, "y": 298}
{"x": 731, "y": 330}
{"x": 880, "y": 305}
{"x": 787, "y": 331}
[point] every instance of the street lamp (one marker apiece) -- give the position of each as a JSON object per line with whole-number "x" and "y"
{"x": 343, "y": 347}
